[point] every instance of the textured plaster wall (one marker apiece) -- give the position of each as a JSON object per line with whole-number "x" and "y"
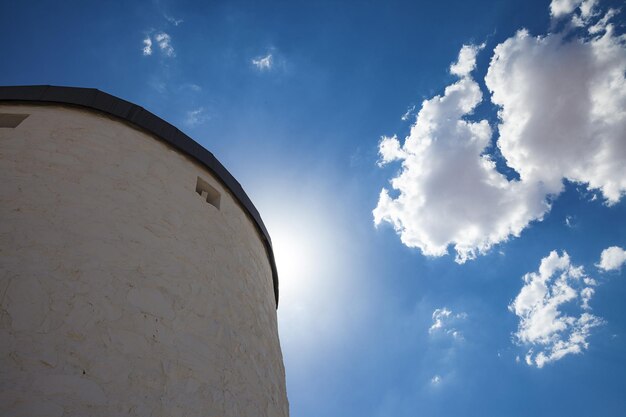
{"x": 122, "y": 291}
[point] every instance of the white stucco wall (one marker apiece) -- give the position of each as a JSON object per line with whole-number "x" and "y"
{"x": 122, "y": 291}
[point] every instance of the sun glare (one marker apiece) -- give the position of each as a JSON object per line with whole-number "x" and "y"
{"x": 295, "y": 250}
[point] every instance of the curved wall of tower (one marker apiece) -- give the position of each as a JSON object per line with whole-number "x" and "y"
{"x": 133, "y": 280}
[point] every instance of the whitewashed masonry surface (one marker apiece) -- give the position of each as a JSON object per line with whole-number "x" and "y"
{"x": 125, "y": 288}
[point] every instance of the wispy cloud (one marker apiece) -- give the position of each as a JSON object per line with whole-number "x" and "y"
{"x": 263, "y": 63}
{"x": 172, "y": 20}
{"x": 446, "y": 322}
{"x": 558, "y": 287}
{"x": 191, "y": 86}
{"x": 542, "y": 137}
{"x": 408, "y": 113}
{"x": 157, "y": 84}
{"x": 612, "y": 259}
{"x": 196, "y": 117}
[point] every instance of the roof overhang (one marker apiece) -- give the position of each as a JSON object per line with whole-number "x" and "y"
{"x": 97, "y": 100}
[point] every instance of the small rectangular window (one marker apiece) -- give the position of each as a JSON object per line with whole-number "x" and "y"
{"x": 11, "y": 120}
{"x": 205, "y": 190}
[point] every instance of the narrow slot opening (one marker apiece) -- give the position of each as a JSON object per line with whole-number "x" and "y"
{"x": 11, "y": 120}
{"x": 208, "y": 192}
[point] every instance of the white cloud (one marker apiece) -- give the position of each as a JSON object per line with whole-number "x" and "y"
{"x": 389, "y": 149}
{"x": 435, "y": 380}
{"x": 563, "y": 110}
{"x": 445, "y": 321}
{"x": 263, "y": 63}
{"x": 147, "y": 46}
{"x": 557, "y": 287}
{"x": 408, "y": 113}
{"x": 560, "y": 8}
{"x": 438, "y": 316}
{"x": 600, "y": 25}
{"x": 612, "y": 259}
{"x": 449, "y": 191}
{"x": 466, "y": 62}
{"x": 196, "y": 117}
{"x": 165, "y": 43}
{"x": 562, "y": 115}
{"x": 580, "y": 10}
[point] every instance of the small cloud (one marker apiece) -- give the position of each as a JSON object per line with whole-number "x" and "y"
{"x": 408, "y": 113}
{"x": 529, "y": 358}
{"x": 612, "y": 259}
{"x": 570, "y": 221}
{"x": 196, "y": 117}
{"x": 165, "y": 43}
{"x": 264, "y": 63}
{"x": 147, "y": 46}
{"x": 435, "y": 380}
{"x": 389, "y": 149}
{"x": 443, "y": 322}
{"x": 559, "y": 8}
{"x": 582, "y": 13}
{"x": 467, "y": 60}
{"x": 439, "y": 315}
{"x": 545, "y": 305}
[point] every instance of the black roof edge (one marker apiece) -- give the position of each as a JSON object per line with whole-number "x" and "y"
{"x": 95, "y": 99}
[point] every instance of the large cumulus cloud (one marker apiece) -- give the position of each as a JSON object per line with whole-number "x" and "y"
{"x": 562, "y": 115}
{"x": 563, "y": 109}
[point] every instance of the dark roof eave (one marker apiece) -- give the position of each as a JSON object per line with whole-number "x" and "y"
{"x": 94, "y": 99}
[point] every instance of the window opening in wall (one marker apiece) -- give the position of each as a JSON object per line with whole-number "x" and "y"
{"x": 205, "y": 190}
{"x": 11, "y": 120}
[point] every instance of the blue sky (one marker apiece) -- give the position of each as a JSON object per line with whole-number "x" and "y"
{"x": 442, "y": 309}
